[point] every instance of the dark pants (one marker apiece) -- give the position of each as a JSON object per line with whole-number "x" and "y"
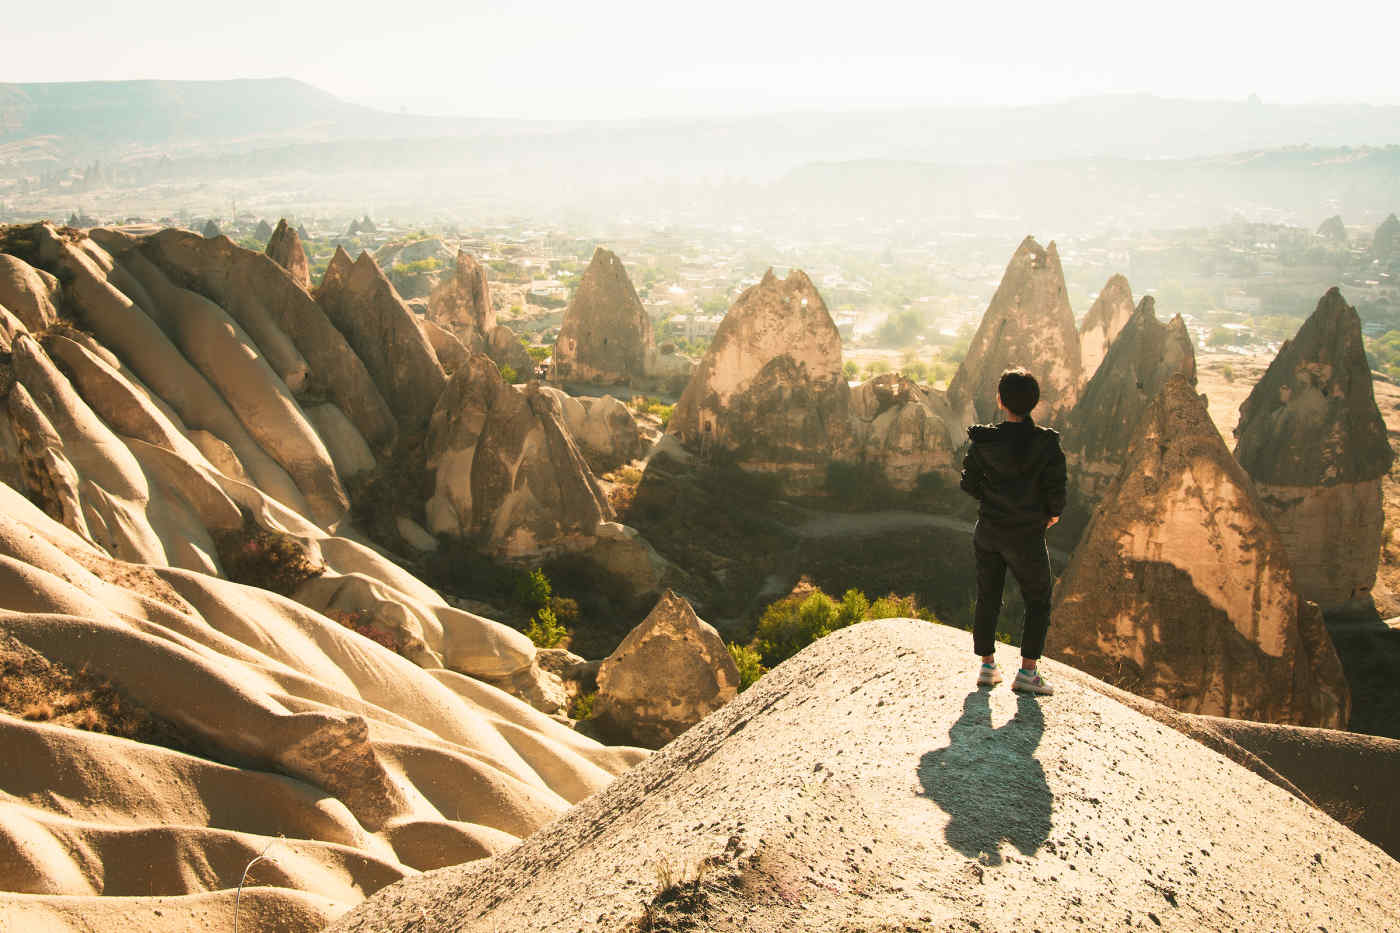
{"x": 1022, "y": 550}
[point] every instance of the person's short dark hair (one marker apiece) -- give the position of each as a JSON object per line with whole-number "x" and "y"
{"x": 1019, "y": 391}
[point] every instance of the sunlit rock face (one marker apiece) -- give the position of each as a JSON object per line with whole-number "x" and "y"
{"x": 363, "y": 304}
{"x": 1028, "y": 323}
{"x": 1314, "y": 442}
{"x": 902, "y": 430}
{"x": 462, "y": 303}
{"x": 1182, "y": 592}
{"x": 284, "y": 247}
{"x": 769, "y": 391}
{"x": 1104, "y": 421}
{"x": 605, "y": 337}
{"x": 507, "y": 474}
{"x": 1105, "y": 319}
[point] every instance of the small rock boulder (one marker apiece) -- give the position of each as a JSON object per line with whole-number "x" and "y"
{"x": 669, "y": 673}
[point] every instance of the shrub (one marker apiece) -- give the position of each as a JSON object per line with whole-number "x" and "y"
{"x": 750, "y": 664}
{"x": 1228, "y": 372}
{"x": 266, "y": 559}
{"x": 545, "y": 630}
{"x": 532, "y": 590}
{"x": 509, "y": 374}
{"x": 794, "y": 622}
{"x": 582, "y": 706}
{"x": 851, "y": 370}
{"x": 361, "y": 622}
{"x": 418, "y": 266}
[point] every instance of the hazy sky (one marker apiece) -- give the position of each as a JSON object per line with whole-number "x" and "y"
{"x": 604, "y": 60}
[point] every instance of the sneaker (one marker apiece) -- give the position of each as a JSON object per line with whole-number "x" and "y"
{"x": 1031, "y": 682}
{"x": 989, "y": 676}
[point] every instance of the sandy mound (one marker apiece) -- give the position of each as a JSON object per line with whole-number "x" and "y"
{"x": 867, "y": 785}
{"x": 288, "y": 734}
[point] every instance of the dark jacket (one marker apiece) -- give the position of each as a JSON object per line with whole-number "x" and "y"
{"x": 1017, "y": 471}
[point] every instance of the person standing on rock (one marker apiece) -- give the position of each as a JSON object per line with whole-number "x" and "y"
{"x": 1016, "y": 470}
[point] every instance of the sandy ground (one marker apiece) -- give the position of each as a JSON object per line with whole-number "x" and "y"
{"x": 867, "y": 784}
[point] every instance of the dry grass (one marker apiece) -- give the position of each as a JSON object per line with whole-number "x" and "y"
{"x": 35, "y": 688}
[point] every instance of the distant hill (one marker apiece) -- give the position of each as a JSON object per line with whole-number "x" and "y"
{"x": 216, "y": 114}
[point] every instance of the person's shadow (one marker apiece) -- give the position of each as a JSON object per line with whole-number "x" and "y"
{"x": 989, "y": 781}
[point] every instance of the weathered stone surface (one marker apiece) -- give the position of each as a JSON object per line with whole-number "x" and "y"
{"x": 1312, "y": 438}
{"x": 266, "y": 302}
{"x": 29, "y": 294}
{"x": 1103, "y": 423}
{"x": 262, "y": 231}
{"x": 364, "y": 306}
{"x": 1333, "y": 229}
{"x": 542, "y": 689}
{"x": 604, "y": 429}
{"x": 284, "y": 248}
{"x": 770, "y": 391}
{"x": 1028, "y": 323}
{"x": 462, "y": 302}
{"x": 416, "y": 267}
{"x": 1182, "y": 592}
{"x": 605, "y": 337}
{"x": 506, "y": 472}
{"x": 670, "y": 672}
{"x": 902, "y": 430}
{"x": 451, "y": 353}
{"x": 211, "y": 229}
{"x": 349, "y": 451}
{"x": 505, "y": 348}
{"x": 1105, "y": 319}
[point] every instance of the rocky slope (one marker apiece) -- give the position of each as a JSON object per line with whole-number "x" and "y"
{"x": 1181, "y": 590}
{"x": 1110, "y": 311}
{"x": 1028, "y": 323}
{"x": 605, "y": 337}
{"x": 1313, "y": 440}
{"x": 866, "y": 784}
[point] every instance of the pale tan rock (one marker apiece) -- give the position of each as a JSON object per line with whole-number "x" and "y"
{"x": 542, "y": 689}
{"x": 366, "y": 309}
{"x": 349, "y": 451}
{"x": 285, "y": 249}
{"x": 505, "y": 348}
{"x": 10, "y": 328}
{"x": 1110, "y": 311}
{"x": 372, "y": 751}
{"x": 1103, "y": 424}
{"x": 227, "y": 356}
{"x": 140, "y": 343}
{"x": 448, "y": 349}
{"x": 1181, "y": 590}
{"x": 605, "y": 430}
{"x": 462, "y": 303}
{"x": 605, "y": 337}
{"x": 770, "y": 391}
{"x": 111, "y": 486}
{"x": 870, "y": 755}
{"x": 30, "y": 294}
{"x": 1313, "y": 440}
{"x": 415, "y": 535}
{"x": 1028, "y": 323}
{"x": 670, "y": 672}
{"x": 506, "y": 472}
{"x": 897, "y": 427}
{"x": 263, "y": 297}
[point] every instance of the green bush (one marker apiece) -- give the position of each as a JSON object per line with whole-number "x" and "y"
{"x": 269, "y": 560}
{"x": 582, "y": 706}
{"x": 545, "y": 630}
{"x": 750, "y": 664}
{"x": 794, "y": 622}
{"x": 532, "y": 590}
{"x": 418, "y": 266}
{"x": 509, "y": 374}
{"x": 851, "y": 370}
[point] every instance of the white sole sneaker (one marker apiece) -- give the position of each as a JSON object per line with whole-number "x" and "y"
{"x": 988, "y": 677}
{"x": 1032, "y": 684}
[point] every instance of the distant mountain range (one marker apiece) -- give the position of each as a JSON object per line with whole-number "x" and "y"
{"x": 1090, "y": 163}
{"x": 119, "y": 119}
